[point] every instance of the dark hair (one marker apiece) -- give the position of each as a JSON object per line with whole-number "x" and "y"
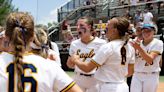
{"x": 64, "y": 25}
{"x": 122, "y": 26}
{"x": 19, "y": 30}
{"x": 49, "y": 44}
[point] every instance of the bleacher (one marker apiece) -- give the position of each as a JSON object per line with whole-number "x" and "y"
{"x": 104, "y": 10}
{"x": 109, "y": 8}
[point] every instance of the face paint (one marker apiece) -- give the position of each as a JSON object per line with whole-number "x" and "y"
{"x": 83, "y": 29}
{"x": 79, "y": 33}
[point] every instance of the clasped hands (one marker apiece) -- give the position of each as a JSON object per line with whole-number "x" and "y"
{"x": 72, "y": 60}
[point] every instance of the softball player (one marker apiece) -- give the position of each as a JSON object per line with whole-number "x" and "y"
{"x": 3, "y": 42}
{"x": 86, "y": 47}
{"x": 55, "y": 50}
{"x": 41, "y": 46}
{"x": 21, "y": 71}
{"x": 137, "y": 38}
{"x": 114, "y": 60}
{"x": 148, "y": 55}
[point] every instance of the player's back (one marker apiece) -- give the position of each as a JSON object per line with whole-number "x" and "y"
{"x": 39, "y": 74}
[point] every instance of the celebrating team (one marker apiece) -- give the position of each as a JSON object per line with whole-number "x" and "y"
{"x": 100, "y": 66}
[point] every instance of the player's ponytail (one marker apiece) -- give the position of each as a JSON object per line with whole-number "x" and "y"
{"x": 122, "y": 26}
{"x": 123, "y": 50}
{"x": 123, "y": 53}
{"x": 40, "y": 45}
{"x": 18, "y": 63}
{"x": 20, "y": 30}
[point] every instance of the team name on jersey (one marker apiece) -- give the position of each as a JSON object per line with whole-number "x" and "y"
{"x": 139, "y": 56}
{"x": 85, "y": 55}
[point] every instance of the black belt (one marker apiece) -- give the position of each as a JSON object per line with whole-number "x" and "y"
{"x": 148, "y": 72}
{"x": 86, "y": 74}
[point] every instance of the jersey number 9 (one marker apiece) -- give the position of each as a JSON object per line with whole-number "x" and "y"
{"x": 25, "y": 79}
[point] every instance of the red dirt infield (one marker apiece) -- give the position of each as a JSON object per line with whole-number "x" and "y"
{"x": 161, "y": 87}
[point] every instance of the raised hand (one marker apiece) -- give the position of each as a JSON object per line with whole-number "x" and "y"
{"x": 135, "y": 44}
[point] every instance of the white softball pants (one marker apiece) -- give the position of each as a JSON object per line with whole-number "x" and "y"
{"x": 145, "y": 82}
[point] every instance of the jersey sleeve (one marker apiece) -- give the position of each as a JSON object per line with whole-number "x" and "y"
{"x": 62, "y": 81}
{"x": 151, "y": 15}
{"x": 55, "y": 48}
{"x": 72, "y": 49}
{"x": 157, "y": 47}
{"x": 102, "y": 55}
{"x": 132, "y": 55}
{"x": 58, "y": 60}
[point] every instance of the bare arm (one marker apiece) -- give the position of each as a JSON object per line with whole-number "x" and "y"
{"x": 160, "y": 63}
{"x": 85, "y": 66}
{"x": 130, "y": 70}
{"x": 69, "y": 63}
{"x": 52, "y": 57}
{"x": 148, "y": 57}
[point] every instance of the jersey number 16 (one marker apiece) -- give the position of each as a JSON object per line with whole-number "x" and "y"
{"x": 30, "y": 80}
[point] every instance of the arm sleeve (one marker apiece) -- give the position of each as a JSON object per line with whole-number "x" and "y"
{"x": 151, "y": 15}
{"x": 132, "y": 55}
{"x": 157, "y": 47}
{"x": 102, "y": 55}
{"x": 55, "y": 47}
{"x": 62, "y": 81}
{"x": 72, "y": 49}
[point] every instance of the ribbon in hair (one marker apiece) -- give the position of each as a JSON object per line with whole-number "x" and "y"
{"x": 44, "y": 46}
{"x": 23, "y": 30}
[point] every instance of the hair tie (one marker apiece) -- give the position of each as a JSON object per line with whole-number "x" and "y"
{"x": 23, "y": 30}
{"x": 44, "y": 46}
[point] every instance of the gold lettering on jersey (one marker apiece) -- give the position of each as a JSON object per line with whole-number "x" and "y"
{"x": 85, "y": 55}
{"x": 147, "y": 64}
{"x": 137, "y": 54}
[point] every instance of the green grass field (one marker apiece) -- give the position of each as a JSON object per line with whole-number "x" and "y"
{"x": 161, "y": 78}
{"x": 70, "y": 73}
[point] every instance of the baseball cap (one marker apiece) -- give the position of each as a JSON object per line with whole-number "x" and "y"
{"x": 148, "y": 26}
{"x": 140, "y": 25}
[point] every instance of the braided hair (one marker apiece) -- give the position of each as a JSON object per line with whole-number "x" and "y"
{"x": 41, "y": 43}
{"x": 20, "y": 31}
